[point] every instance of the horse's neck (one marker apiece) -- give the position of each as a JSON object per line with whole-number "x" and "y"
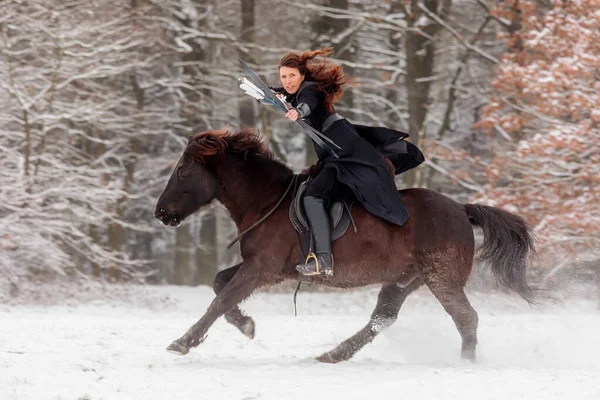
{"x": 249, "y": 190}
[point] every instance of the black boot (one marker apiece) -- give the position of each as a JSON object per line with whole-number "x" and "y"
{"x": 320, "y": 263}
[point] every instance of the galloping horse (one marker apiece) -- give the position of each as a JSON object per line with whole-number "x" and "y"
{"x": 435, "y": 247}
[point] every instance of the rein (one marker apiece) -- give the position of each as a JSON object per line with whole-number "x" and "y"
{"x": 294, "y": 179}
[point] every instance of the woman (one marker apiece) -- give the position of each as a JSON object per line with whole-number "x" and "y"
{"x": 312, "y": 87}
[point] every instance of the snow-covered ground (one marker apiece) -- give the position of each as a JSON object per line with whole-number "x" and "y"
{"x": 115, "y": 349}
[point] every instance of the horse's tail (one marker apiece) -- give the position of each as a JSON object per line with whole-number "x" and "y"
{"x": 508, "y": 244}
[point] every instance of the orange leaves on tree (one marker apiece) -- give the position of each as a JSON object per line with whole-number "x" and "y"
{"x": 546, "y": 96}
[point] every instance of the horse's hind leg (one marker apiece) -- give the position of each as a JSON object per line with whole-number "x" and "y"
{"x": 235, "y": 317}
{"x": 455, "y": 302}
{"x": 389, "y": 302}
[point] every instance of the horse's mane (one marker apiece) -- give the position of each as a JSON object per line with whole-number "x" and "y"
{"x": 243, "y": 142}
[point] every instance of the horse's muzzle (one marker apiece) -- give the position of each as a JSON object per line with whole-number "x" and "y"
{"x": 167, "y": 218}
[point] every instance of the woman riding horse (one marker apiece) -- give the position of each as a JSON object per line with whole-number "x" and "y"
{"x": 238, "y": 170}
{"x": 312, "y": 88}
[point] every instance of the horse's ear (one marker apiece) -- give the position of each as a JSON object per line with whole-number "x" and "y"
{"x": 205, "y": 138}
{"x": 198, "y": 138}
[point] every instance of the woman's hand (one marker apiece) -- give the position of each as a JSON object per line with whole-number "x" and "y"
{"x": 292, "y": 114}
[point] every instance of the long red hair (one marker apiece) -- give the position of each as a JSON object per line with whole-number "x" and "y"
{"x": 329, "y": 75}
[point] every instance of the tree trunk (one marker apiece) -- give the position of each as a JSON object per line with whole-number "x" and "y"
{"x": 246, "y": 103}
{"x": 184, "y": 270}
{"x": 183, "y": 273}
{"x": 116, "y": 232}
{"x": 393, "y": 94}
{"x": 598, "y": 282}
{"x": 420, "y": 61}
{"x": 27, "y": 150}
{"x": 96, "y": 268}
{"x": 206, "y": 256}
{"x": 344, "y": 49}
{"x": 325, "y": 33}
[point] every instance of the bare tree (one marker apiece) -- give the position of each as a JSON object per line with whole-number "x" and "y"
{"x": 61, "y": 80}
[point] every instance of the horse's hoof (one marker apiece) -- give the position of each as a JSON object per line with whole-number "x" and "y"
{"x": 327, "y": 358}
{"x": 248, "y": 328}
{"x": 177, "y": 348}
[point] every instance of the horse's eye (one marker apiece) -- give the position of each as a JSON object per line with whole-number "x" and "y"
{"x": 181, "y": 172}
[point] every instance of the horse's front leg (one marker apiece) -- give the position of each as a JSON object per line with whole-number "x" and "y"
{"x": 241, "y": 285}
{"x": 235, "y": 316}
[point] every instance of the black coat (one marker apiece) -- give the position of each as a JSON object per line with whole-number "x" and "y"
{"x": 360, "y": 165}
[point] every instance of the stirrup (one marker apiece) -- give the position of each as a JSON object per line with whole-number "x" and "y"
{"x": 327, "y": 272}
{"x": 317, "y": 270}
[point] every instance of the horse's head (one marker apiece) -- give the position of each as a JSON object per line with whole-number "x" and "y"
{"x": 231, "y": 165}
{"x": 192, "y": 183}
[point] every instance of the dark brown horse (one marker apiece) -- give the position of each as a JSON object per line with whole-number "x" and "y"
{"x": 435, "y": 246}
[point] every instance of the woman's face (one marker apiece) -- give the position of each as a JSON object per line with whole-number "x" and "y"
{"x": 290, "y": 79}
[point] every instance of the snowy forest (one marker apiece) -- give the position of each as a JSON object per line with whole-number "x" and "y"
{"x": 98, "y": 99}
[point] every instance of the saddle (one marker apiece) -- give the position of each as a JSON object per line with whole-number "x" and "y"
{"x": 340, "y": 215}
